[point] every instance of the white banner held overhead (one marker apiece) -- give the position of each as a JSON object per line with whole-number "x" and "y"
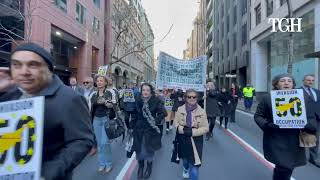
{"x": 181, "y": 74}
{"x": 21, "y": 132}
{"x": 102, "y": 71}
{"x": 288, "y": 108}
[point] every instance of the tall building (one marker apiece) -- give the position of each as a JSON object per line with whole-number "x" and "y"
{"x": 70, "y": 29}
{"x": 196, "y": 43}
{"x": 231, "y": 47}
{"x": 209, "y": 37}
{"x": 269, "y": 50}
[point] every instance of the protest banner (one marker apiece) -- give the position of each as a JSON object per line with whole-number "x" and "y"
{"x": 288, "y": 108}
{"x": 174, "y": 73}
{"x": 168, "y": 103}
{"x": 128, "y": 95}
{"x": 21, "y": 131}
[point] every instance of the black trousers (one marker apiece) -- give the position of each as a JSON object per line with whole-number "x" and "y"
{"x": 212, "y": 123}
{"x": 130, "y": 118}
{"x": 226, "y": 121}
{"x": 282, "y": 173}
{"x": 233, "y": 111}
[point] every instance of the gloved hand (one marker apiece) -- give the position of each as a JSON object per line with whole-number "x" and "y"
{"x": 310, "y": 129}
{"x": 187, "y": 131}
{"x": 272, "y": 127}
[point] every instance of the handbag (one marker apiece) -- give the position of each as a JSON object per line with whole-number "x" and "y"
{"x": 114, "y": 128}
{"x": 307, "y": 140}
{"x": 175, "y": 150}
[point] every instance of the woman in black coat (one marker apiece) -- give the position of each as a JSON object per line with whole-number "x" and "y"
{"x": 212, "y": 107}
{"x": 280, "y": 146}
{"x": 146, "y": 133}
{"x": 224, "y": 101}
{"x": 235, "y": 93}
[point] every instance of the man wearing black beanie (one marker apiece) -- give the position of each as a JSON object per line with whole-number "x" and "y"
{"x": 68, "y": 136}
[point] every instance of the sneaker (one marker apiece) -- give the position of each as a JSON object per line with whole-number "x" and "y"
{"x": 107, "y": 170}
{"x": 185, "y": 173}
{"x": 101, "y": 168}
{"x": 171, "y": 127}
{"x": 167, "y": 130}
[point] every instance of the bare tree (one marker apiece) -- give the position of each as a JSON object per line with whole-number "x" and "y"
{"x": 23, "y": 11}
{"x": 123, "y": 19}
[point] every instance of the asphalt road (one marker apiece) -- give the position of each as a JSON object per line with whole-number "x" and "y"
{"x": 228, "y": 156}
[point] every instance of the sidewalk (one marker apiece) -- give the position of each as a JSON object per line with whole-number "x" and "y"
{"x": 242, "y": 108}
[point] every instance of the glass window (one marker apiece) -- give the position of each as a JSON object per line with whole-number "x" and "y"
{"x": 62, "y": 4}
{"x": 96, "y": 25}
{"x": 228, "y": 47}
{"x": 244, "y": 34}
{"x": 228, "y": 23}
{"x": 235, "y": 15}
{"x": 258, "y": 14}
{"x": 234, "y": 42}
{"x": 269, "y": 7}
{"x": 244, "y": 7}
{"x": 96, "y": 3}
{"x": 80, "y": 13}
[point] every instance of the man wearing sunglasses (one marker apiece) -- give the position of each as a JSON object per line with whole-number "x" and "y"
{"x": 88, "y": 89}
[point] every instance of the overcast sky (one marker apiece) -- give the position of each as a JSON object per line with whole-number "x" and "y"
{"x": 162, "y": 14}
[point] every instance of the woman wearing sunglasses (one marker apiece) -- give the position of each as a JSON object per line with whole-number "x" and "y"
{"x": 191, "y": 122}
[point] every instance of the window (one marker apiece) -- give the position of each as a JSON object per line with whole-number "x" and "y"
{"x": 235, "y": 15}
{"x": 222, "y": 30}
{"x": 244, "y": 34}
{"x": 269, "y": 7}
{"x": 62, "y": 4}
{"x": 228, "y": 47}
{"x": 282, "y": 2}
{"x": 228, "y": 23}
{"x": 234, "y": 42}
{"x": 244, "y": 7}
{"x": 96, "y": 3}
{"x": 222, "y": 10}
{"x": 258, "y": 14}
{"x": 96, "y": 25}
{"x": 80, "y": 13}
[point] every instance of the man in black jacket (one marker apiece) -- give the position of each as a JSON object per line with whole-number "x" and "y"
{"x": 68, "y": 133}
{"x": 312, "y": 100}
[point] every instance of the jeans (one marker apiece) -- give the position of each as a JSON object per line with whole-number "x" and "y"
{"x": 282, "y": 173}
{"x": 248, "y": 102}
{"x": 193, "y": 170}
{"x": 103, "y": 143}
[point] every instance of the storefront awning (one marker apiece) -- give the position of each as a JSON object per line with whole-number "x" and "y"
{"x": 313, "y": 55}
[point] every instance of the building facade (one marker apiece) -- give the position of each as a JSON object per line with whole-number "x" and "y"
{"x": 70, "y": 29}
{"x": 231, "y": 47}
{"x": 270, "y": 49}
{"x": 196, "y": 43}
{"x": 209, "y": 37}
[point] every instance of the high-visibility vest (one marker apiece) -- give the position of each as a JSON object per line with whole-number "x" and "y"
{"x": 248, "y": 92}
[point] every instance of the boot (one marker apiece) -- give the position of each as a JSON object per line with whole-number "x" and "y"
{"x": 148, "y": 171}
{"x": 140, "y": 169}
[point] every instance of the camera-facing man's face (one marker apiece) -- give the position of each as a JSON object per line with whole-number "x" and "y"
{"x": 30, "y": 71}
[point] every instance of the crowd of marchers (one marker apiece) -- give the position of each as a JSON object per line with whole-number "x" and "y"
{"x": 75, "y": 118}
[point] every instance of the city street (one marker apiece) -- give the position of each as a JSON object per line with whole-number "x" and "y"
{"x": 231, "y": 154}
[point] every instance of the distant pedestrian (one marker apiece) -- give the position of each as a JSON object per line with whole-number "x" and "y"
{"x": 212, "y": 107}
{"x": 129, "y": 96}
{"x": 102, "y": 109}
{"x": 178, "y": 100}
{"x": 192, "y": 123}
{"x": 146, "y": 133}
{"x": 74, "y": 85}
{"x": 248, "y": 93}
{"x": 312, "y": 100}
{"x": 235, "y": 93}
{"x": 224, "y": 101}
{"x": 280, "y": 146}
{"x": 168, "y": 104}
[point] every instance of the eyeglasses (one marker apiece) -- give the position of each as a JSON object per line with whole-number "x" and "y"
{"x": 86, "y": 82}
{"x": 192, "y": 97}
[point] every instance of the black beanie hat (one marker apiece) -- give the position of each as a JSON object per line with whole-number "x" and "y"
{"x": 277, "y": 78}
{"x": 46, "y": 56}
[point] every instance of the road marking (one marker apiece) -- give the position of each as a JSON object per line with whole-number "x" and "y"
{"x": 126, "y": 171}
{"x": 246, "y": 113}
{"x": 250, "y": 149}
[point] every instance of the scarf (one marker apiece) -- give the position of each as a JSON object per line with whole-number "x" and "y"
{"x": 189, "y": 109}
{"x": 147, "y": 114}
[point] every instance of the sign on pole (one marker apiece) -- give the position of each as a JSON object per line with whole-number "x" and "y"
{"x": 288, "y": 108}
{"x": 21, "y": 131}
{"x": 181, "y": 74}
{"x": 102, "y": 71}
{"x": 168, "y": 103}
{"x": 128, "y": 95}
